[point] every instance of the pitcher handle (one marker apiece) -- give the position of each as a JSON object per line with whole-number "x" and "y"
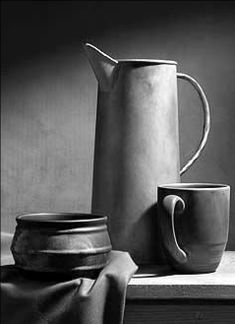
{"x": 206, "y": 125}
{"x": 170, "y": 203}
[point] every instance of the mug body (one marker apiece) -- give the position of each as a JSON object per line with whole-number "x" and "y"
{"x": 200, "y": 228}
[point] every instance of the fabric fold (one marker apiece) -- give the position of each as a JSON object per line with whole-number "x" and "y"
{"x": 33, "y": 300}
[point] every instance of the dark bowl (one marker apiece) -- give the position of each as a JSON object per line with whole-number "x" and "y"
{"x": 61, "y": 242}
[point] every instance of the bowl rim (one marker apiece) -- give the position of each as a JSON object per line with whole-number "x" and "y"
{"x": 61, "y": 218}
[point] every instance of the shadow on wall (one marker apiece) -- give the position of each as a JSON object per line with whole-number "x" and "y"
{"x": 49, "y": 92}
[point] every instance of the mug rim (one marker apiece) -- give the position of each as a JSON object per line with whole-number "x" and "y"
{"x": 194, "y": 186}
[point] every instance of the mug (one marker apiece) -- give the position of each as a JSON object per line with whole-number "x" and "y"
{"x": 194, "y": 224}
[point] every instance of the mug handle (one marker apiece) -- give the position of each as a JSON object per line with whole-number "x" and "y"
{"x": 170, "y": 203}
{"x": 206, "y": 125}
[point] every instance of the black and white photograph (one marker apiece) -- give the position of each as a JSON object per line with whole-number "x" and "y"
{"x": 117, "y": 162}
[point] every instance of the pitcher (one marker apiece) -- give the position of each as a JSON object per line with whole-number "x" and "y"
{"x": 137, "y": 147}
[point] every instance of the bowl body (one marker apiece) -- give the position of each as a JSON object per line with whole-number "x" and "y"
{"x": 61, "y": 242}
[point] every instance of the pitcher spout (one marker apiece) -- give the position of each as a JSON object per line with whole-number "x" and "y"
{"x": 102, "y": 64}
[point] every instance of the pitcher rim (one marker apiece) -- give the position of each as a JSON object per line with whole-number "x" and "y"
{"x": 147, "y": 61}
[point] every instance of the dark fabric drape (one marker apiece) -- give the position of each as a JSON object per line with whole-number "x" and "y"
{"x": 34, "y": 300}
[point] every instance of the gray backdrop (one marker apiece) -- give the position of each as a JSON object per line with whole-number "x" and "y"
{"x": 48, "y": 95}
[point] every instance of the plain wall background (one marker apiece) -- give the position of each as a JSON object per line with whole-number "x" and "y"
{"x": 48, "y": 95}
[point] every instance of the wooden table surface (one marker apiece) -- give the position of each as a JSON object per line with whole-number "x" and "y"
{"x": 162, "y": 283}
{"x": 158, "y": 295}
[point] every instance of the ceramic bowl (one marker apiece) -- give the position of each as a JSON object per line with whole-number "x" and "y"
{"x": 61, "y": 242}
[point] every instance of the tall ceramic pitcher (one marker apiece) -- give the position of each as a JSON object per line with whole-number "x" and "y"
{"x": 136, "y": 147}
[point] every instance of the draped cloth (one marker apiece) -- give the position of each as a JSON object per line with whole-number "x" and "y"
{"x": 34, "y": 300}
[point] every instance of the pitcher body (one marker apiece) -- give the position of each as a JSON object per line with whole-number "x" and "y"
{"x": 136, "y": 149}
